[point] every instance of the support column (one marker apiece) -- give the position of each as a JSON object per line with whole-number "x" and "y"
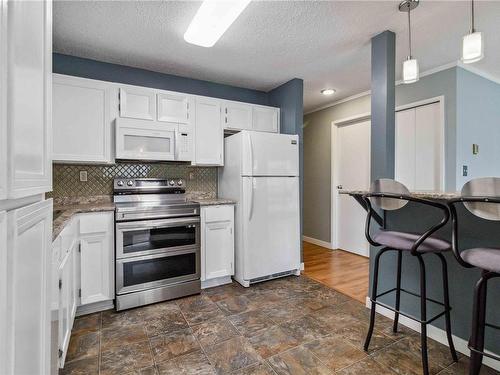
{"x": 383, "y": 105}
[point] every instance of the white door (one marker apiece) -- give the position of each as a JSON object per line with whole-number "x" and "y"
{"x": 28, "y": 96}
{"x": 419, "y": 147}
{"x": 265, "y": 154}
{"x": 96, "y": 259}
{"x": 265, "y": 119}
{"x": 219, "y": 249}
{"x": 29, "y": 251}
{"x": 3, "y": 106}
{"x": 82, "y": 119}
{"x": 352, "y": 166}
{"x": 174, "y": 107}
{"x": 137, "y": 103}
{"x": 271, "y": 219}
{"x": 3, "y": 293}
{"x": 237, "y": 116}
{"x": 209, "y": 135}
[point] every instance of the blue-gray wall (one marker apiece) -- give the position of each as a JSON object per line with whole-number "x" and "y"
{"x": 478, "y": 121}
{"x": 86, "y": 68}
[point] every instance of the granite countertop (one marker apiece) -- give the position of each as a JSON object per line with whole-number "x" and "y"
{"x": 213, "y": 201}
{"x": 441, "y": 195}
{"x": 64, "y": 213}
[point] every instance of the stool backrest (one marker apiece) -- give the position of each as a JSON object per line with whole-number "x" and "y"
{"x": 483, "y": 187}
{"x": 386, "y": 185}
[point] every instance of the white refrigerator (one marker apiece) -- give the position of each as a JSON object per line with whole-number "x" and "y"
{"x": 261, "y": 173}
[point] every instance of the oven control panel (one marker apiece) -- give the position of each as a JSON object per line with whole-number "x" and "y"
{"x": 146, "y": 185}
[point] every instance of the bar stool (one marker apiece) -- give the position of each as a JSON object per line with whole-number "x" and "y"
{"x": 391, "y": 195}
{"x": 481, "y": 197}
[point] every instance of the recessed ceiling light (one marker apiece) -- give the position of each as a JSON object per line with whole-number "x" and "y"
{"x": 328, "y": 91}
{"x": 212, "y": 20}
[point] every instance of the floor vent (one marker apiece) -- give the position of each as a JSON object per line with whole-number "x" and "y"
{"x": 273, "y": 276}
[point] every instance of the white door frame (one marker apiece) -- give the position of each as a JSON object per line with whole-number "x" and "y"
{"x": 334, "y": 170}
{"x": 437, "y": 99}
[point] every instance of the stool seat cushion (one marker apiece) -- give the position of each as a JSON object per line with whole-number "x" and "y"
{"x": 405, "y": 241}
{"x": 486, "y": 258}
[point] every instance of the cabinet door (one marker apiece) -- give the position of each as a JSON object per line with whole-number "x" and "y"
{"x": 137, "y": 103}
{"x": 67, "y": 303}
{"x": 3, "y": 106}
{"x": 219, "y": 249}
{"x": 3, "y": 292}
{"x": 96, "y": 269}
{"x": 29, "y": 251}
{"x": 29, "y": 97}
{"x": 174, "y": 107}
{"x": 265, "y": 119}
{"x": 237, "y": 116}
{"x": 96, "y": 257}
{"x": 209, "y": 135}
{"x": 82, "y": 122}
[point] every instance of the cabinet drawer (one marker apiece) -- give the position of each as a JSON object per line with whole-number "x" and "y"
{"x": 218, "y": 213}
{"x": 95, "y": 222}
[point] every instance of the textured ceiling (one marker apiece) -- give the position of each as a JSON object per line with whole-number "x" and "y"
{"x": 326, "y": 43}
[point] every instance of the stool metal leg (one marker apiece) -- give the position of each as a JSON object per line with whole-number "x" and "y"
{"x": 374, "y": 297}
{"x": 447, "y": 306}
{"x": 398, "y": 291}
{"x": 423, "y": 316}
{"x": 478, "y": 324}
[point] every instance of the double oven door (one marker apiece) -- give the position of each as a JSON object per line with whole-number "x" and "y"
{"x": 155, "y": 253}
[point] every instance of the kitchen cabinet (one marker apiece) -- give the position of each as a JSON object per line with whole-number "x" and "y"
{"x": 26, "y": 96}
{"x": 28, "y": 265}
{"x": 83, "y": 115}
{"x": 217, "y": 243}
{"x": 139, "y": 103}
{"x": 96, "y": 257}
{"x": 209, "y": 135}
{"x": 265, "y": 119}
{"x": 237, "y": 116}
{"x": 174, "y": 107}
{"x": 67, "y": 302}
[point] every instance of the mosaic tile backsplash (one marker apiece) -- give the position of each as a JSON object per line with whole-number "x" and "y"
{"x": 200, "y": 181}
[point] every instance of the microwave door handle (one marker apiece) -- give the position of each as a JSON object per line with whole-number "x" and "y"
{"x": 176, "y": 144}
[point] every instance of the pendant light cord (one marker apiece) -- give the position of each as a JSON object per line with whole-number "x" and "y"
{"x": 472, "y": 30}
{"x": 409, "y": 30}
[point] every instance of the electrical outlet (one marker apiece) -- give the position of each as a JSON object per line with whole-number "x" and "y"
{"x": 83, "y": 176}
{"x": 191, "y": 175}
{"x": 465, "y": 170}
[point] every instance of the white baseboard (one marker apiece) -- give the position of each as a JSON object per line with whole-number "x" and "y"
{"x": 94, "y": 307}
{"x": 315, "y": 241}
{"x": 216, "y": 282}
{"x": 434, "y": 333}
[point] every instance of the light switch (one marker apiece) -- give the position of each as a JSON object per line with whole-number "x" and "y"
{"x": 465, "y": 170}
{"x": 475, "y": 149}
{"x": 83, "y": 176}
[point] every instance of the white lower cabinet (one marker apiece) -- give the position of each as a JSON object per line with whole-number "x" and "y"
{"x": 217, "y": 244}
{"x": 83, "y": 255}
{"x": 27, "y": 310}
{"x": 3, "y": 292}
{"x": 96, "y": 258}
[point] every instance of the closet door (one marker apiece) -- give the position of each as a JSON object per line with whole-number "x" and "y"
{"x": 405, "y": 148}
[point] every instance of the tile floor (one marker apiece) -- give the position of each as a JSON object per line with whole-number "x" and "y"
{"x": 287, "y": 326}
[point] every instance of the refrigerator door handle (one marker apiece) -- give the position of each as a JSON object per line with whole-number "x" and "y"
{"x": 250, "y": 212}
{"x": 250, "y": 147}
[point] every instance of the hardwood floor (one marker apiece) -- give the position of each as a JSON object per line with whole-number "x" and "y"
{"x": 340, "y": 270}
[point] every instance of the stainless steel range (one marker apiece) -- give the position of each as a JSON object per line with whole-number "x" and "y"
{"x": 157, "y": 241}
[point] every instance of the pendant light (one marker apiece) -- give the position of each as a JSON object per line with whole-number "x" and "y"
{"x": 410, "y": 65}
{"x": 472, "y": 43}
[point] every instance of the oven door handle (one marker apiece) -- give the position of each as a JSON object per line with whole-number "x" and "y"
{"x": 155, "y": 224}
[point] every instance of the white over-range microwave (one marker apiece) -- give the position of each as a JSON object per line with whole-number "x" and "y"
{"x": 150, "y": 140}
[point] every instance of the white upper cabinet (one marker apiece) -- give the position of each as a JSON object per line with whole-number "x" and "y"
{"x": 84, "y": 111}
{"x": 174, "y": 107}
{"x": 26, "y": 98}
{"x": 265, "y": 119}
{"x": 29, "y": 251}
{"x": 209, "y": 135}
{"x": 237, "y": 116}
{"x": 137, "y": 103}
{"x": 97, "y": 257}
